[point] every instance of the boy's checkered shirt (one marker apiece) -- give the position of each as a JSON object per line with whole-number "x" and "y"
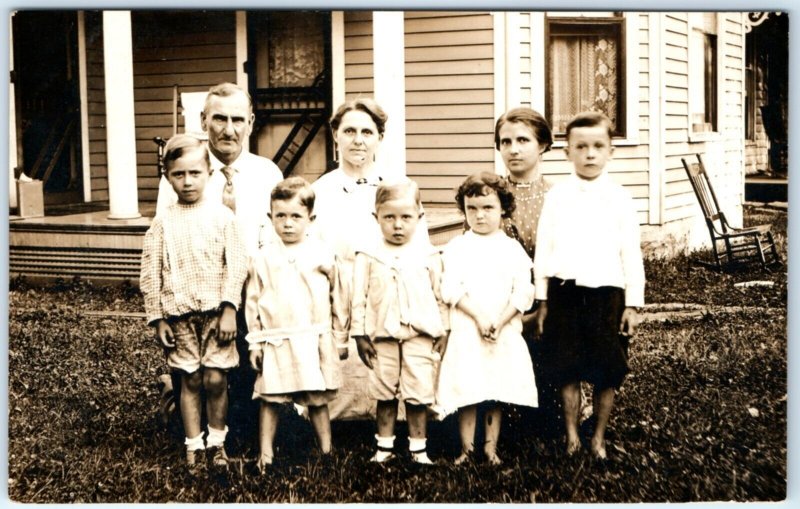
{"x": 193, "y": 260}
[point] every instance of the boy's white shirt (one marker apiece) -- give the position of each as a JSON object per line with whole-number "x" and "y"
{"x": 589, "y": 232}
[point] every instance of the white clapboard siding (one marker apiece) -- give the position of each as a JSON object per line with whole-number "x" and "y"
{"x": 449, "y": 99}
{"x": 193, "y": 51}
{"x": 358, "y": 55}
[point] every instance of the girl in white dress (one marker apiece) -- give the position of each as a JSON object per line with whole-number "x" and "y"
{"x": 293, "y": 314}
{"x": 487, "y": 282}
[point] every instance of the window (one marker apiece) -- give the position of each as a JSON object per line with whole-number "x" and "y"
{"x": 750, "y": 103}
{"x": 703, "y": 72}
{"x": 585, "y": 69}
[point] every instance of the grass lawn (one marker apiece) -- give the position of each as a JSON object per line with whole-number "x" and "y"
{"x": 701, "y": 417}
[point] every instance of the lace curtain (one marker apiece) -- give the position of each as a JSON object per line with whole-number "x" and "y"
{"x": 583, "y": 74}
{"x": 296, "y": 48}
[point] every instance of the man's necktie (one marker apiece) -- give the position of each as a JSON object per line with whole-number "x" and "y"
{"x": 228, "y": 199}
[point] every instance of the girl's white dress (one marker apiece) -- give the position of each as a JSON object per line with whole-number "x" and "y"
{"x": 493, "y": 270}
{"x": 289, "y": 317}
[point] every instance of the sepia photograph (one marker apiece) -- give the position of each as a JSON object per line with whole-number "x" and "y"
{"x": 397, "y": 256}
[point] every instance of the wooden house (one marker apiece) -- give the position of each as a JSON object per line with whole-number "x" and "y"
{"x": 675, "y": 83}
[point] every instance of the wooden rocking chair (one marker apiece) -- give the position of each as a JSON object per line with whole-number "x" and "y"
{"x": 732, "y": 247}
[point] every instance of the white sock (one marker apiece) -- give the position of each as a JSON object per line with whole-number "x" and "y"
{"x": 417, "y": 444}
{"x": 216, "y": 437}
{"x": 385, "y": 442}
{"x": 195, "y": 444}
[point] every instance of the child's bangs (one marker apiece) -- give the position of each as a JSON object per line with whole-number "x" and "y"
{"x": 479, "y": 189}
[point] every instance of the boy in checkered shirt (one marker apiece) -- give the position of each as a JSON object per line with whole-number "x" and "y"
{"x": 193, "y": 270}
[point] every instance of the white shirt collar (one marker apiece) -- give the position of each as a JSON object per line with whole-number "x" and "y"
{"x": 216, "y": 164}
{"x": 589, "y": 185}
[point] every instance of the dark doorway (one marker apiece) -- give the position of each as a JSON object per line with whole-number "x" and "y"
{"x": 48, "y": 102}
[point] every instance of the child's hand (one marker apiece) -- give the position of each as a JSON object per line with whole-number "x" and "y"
{"x": 630, "y": 320}
{"x": 344, "y": 352}
{"x": 529, "y": 322}
{"x": 541, "y": 314}
{"x": 440, "y": 345}
{"x": 365, "y": 350}
{"x": 486, "y": 328}
{"x": 164, "y": 334}
{"x": 255, "y": 359}
{"x": 227, "y": 324}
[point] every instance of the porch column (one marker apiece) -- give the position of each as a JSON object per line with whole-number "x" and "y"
{"x": 12, "y": 126}
{"x": 388, "y": 43}
{"x": 120, "y": 121}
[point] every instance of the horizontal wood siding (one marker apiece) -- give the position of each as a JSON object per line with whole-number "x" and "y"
{"x": 723, "y": 153}
{"x": 96, "y": 106}
{"x": 678, "y": 199}
{"x": 358, "y": 55}
{"x": 192, "y": 50}
{"x": 449, "y": 99}
{"x": 525, "y": 58}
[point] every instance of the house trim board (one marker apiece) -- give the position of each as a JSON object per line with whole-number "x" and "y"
{"x": 337, "y": 59}
{"x": 498, "y": 42}
{"x": 84, "y": 109}
{"x": 656, "y": 132}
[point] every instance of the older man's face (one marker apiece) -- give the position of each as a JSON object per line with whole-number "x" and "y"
{"x": 228, "y": 122}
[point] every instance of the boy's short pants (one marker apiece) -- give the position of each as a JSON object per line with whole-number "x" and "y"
{"x": 196, "y": 343}
{"x": 581, "y": 335}
{"x": 403, "y": 370}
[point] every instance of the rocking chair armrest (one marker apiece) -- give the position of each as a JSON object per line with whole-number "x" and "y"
{"x": 760, "y": 229}
{"x": 739, "y": 232}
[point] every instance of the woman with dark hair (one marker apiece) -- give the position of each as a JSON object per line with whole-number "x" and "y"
{"x": 345, "y": 208}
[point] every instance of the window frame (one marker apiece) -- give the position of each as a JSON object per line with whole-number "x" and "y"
{"x": 699, "y": 25}
{"x": 750, "y": 89}
{"x": 594, "y": 25}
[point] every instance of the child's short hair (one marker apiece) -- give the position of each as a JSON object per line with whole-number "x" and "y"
{"x": 178, "y": 145}
{"x": 482, "y": 184}
{"x": 402, "y": 189}
{"x": 591, "y": 119}
{"x": 294, "y": 186}
{"x": 531, "y": 118}
{"x": 368, "y": 106}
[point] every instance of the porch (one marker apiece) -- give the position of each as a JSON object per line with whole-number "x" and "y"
{"x": 81, "y": 240}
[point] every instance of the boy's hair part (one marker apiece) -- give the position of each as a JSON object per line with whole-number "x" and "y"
{"x": 178, "y": 146}
{"x": 405, "y": 188}
{"x": 292, "y": 187}
{"x": 483, "y": 184}
{"x": 533, "y": 119}
{"x": 365, "y": 104}
{"x": 225, "y": 90}
{"x": 591, "y": 119}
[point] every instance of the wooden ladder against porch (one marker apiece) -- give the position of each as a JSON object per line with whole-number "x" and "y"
{"x": 297, "y": 141}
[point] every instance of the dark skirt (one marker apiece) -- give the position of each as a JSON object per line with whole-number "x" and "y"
{"x": 581, "y": 335}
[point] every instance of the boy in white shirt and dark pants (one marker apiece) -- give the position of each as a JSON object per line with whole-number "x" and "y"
{"x": 589, "y": 277}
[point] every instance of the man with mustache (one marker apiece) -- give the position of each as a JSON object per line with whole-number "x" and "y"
{"x": 240, "y": 179}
